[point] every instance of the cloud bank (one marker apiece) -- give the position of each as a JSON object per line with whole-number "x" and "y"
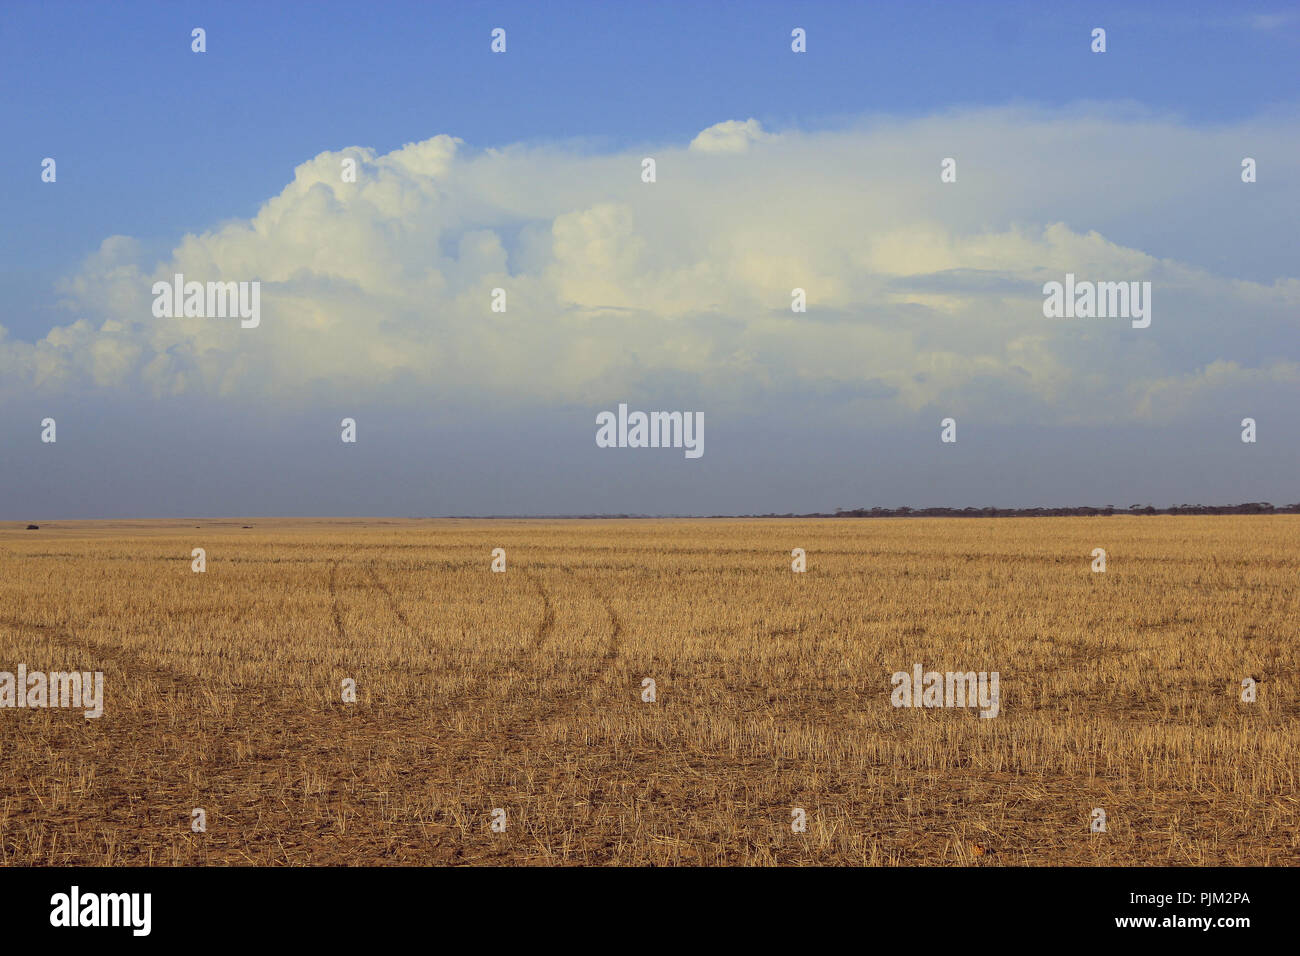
{"x": 921, "y": 295}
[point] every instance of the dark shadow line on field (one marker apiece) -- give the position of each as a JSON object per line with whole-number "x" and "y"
{"x": 114, "y": 653}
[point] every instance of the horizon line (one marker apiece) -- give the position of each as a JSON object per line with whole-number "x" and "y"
{"x": 904, "y": 511}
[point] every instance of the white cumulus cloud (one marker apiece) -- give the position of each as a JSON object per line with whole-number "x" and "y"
{"x": 919, "y": 293}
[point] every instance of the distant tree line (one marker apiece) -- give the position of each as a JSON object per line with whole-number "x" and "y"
{"x": 1249, "y": 508}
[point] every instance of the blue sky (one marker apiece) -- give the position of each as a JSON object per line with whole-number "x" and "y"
{"x": 154, "y": 142}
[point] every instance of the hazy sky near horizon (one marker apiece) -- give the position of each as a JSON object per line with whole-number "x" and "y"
{"x": 523, "y": 171}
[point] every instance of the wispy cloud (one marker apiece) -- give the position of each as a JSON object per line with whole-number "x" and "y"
{"x": 1273, "y": 21}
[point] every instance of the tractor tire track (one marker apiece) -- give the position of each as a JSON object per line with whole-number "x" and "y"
{"x": 509, "y": 735}
{"x": 541, "y": 633}
{"x": 548, "y": 612}
{"x": 523, "y": 720}
{"x": 588, "y": 676}
{"x": 615, "y": 644}
{"x": 388, "y": 594}
{"x": 334, "y": 601}
{"x": 477, "y": 679}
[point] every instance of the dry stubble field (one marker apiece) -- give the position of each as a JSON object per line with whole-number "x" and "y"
{"x": 522, "y": 691}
